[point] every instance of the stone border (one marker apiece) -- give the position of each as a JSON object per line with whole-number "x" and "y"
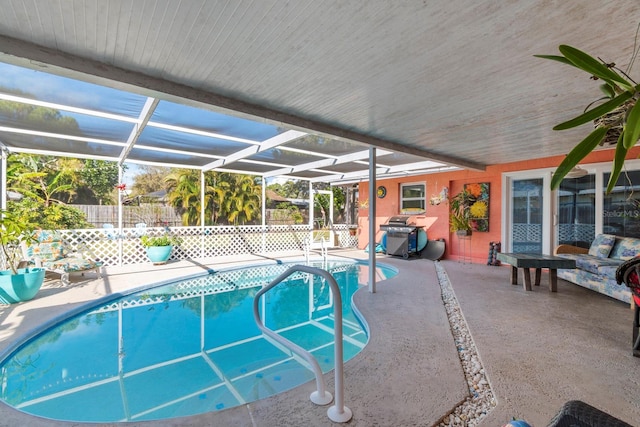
{"x": 481, "y": 399}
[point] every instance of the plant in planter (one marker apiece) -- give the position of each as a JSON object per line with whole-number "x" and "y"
{"x": 460, "y": 213}
{"x": 616, "y": 115}
{"x": 17, "y": 282}
{"x": 159, "y": 247}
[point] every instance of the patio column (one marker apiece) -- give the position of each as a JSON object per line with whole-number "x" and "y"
{"x": 120, "y": 236}
{"x": 310, "y": 212}
{"x": 264, "y": 214}
{"x": 3, "y": 183}
{"x": 372, "y": 220}
{"x": 202, "y": 216}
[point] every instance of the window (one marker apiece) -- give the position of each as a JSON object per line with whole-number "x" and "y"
{"x": 413, "y": 198}
{"x": 577, "y": 211}
{"x": 621, "y": 213}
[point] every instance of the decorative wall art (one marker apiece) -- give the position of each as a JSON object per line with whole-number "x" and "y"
{"x": 478, "y": 205}
{"x": 436, "y": 199}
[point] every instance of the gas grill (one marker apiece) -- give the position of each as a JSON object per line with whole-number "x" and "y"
{"x": 402, "y": 237}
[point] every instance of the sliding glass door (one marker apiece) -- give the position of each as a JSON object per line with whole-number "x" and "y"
{"x": 527, "y": 202}
{"x": 536, "y": 219}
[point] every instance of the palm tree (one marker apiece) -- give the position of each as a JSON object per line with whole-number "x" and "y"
{"x": 245, "y": 200}
{"x": 183, "y": 186}
{"x": 229, "y": 198}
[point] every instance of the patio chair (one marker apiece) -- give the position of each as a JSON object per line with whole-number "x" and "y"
{"x": 141, "y": 229}
{"x": 629, "y": 273}
{"x": 48, "y": 251}
{"x": 110, "y": 231}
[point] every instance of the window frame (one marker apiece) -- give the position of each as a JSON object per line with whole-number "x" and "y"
{"x": 423, "y": 198}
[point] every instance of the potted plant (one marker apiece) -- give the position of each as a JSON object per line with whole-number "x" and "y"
{"x": 17, "y": 282}
{"x": 159, "y": 247}
{"x": 616, "y": 115}
{"x": 460, "y": 213}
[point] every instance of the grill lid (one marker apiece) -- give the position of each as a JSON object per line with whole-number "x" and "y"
{"x": 398, "y": 220}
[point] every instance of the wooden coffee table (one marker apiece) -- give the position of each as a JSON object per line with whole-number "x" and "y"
{"x": 537, "y": 261}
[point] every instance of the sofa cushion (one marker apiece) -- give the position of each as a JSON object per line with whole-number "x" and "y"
{"x": 625, "y": 248}
{"x": 602, "y": 245}
{"x": 593, "y": 263}
{"x": 48, "y": 246}
{"x": 609, "y": 271}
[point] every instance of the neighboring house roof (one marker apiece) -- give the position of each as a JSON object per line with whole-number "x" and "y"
{"x": 273, "y": 196}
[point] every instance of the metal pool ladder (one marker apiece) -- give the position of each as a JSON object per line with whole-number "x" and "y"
{"x": 338, "y": 412}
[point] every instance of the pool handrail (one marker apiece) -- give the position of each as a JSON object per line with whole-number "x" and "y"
{"x": 338, "y": 412}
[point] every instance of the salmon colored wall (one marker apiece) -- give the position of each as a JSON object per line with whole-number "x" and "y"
{"x": 436, "y": 218}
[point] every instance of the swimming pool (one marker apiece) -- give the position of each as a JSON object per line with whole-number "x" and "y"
{"x": 183, "y": 348}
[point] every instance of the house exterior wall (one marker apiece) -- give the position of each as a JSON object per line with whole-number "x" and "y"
{"x": 436, "y": 218}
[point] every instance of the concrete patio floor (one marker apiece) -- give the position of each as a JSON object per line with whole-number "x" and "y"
{"x": 538, "y": 349}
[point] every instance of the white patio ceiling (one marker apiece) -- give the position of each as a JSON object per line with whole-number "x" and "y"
{"x": 449, "y": 82}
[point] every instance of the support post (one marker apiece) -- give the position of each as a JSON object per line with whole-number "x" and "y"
{"x": 202, "y": 214}
{"x": 120, "y": 236}
{"x": 264, "y": 215}
{"x": 372, "y": 220}
{"x": 3, "y": 184}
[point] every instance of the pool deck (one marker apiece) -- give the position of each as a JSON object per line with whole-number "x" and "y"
{"x": 538, "y": 349}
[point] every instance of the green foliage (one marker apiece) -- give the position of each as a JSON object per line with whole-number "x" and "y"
{"x": 150, "y": 179}
{"x": 52, "y": 217}
{"x": 459, "y": 211}
{"x": 53, "y": 180}
{"x": 14, "y": 229}
{"x": 285, "y": 211}
{"x": 229, "y": 198}
{"x": 621, "y": 111}
{"x": 101, "y": 177}
{"x": 291, "y": 189}
{"x": 183, "y": 186}
{"x": 321, "y": 203}
{"x": 164, "y": 240}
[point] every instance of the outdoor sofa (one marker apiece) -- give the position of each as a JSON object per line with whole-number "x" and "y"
{"x": 596, "y": 266}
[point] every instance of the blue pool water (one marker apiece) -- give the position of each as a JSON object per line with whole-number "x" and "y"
{"x": 183, "y": 348}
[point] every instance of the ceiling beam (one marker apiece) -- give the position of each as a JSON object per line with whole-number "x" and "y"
{"x": 146, "y": 113}
{"x": 280, "y": 139}
{"x": 324, "y": 163}
{"x": 363, "y": 176}
{"x": 32, "y": 56}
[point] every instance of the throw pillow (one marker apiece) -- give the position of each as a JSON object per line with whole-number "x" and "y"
{"x": 601, "y": 245}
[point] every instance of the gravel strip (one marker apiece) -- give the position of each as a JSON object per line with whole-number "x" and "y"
{"x": 481, "y": 399}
